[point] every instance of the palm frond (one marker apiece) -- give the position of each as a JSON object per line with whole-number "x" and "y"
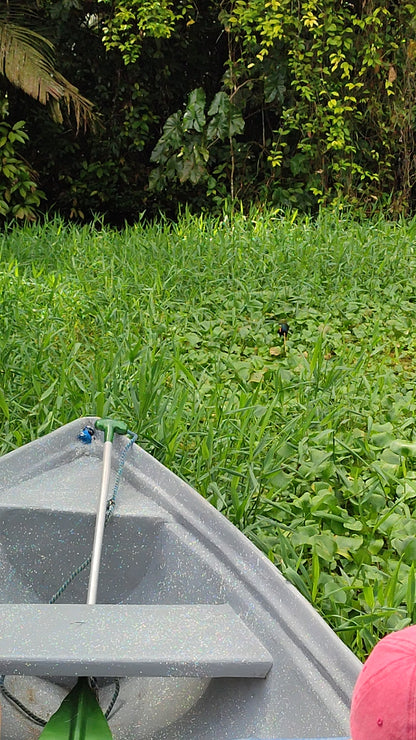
{"x": 27, "y": 61}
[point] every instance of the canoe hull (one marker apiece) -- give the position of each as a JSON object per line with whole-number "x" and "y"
{"x": 165, "y": 545}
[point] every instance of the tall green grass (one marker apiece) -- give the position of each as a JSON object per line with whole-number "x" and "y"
{"x": 307, "y": 446}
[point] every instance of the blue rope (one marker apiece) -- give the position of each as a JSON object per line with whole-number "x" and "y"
{"x": 112, "y": 501}
{"x": 86, "y": 437}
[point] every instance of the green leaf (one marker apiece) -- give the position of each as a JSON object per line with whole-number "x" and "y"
{"x": 353, "y": 524}
{"x": 410, "y": 593}
{"x": 236, "y": 122}
{"x": 78, "y": 718}
{"x": 173, "y": 131}
{"x": 219, "y": 104}
{"x": 3, "y": 404}
{"x": 347, "y": 544}
{"x": 381, "y": 435}
{"x": 406, "y": 547}
{"x": 325, "y": 546}
{"x": 226, "y": 118}
{"x": 194, "y": 116}
{"x": 335, "y": 592}
{"x": 315, "y": 574}
{"x": 403, "y": 447}
{"x": 368, "y": 593}
{"x": 280, "y": 480}
{"x": 392, "y": 593}
{"x": 294, "y": 577}
{"x": 390, "y": 457}
{"x": 375, "y": 546}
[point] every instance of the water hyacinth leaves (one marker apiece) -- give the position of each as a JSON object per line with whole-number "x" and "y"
{"x": 78, "y": 718}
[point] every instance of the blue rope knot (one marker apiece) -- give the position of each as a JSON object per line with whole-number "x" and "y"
{"x": 86, "y": 435}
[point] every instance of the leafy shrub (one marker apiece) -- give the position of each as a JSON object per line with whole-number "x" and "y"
{"x": 19, "y": 193}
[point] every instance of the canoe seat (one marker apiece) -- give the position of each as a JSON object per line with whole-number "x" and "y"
{"x": 201, "y": 640}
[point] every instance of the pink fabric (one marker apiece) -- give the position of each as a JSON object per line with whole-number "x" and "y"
{"x": 384, "y": 698}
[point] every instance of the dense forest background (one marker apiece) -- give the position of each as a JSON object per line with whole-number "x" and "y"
{"x": 152, "y": 104}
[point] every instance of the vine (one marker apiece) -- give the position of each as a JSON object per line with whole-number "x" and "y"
{"x": 345, "y": 128}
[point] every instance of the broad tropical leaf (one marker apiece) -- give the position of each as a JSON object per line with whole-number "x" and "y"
{"x": 78, "y": 718}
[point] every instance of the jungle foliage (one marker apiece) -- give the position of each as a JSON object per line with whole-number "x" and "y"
{"x": 216, "y": 101}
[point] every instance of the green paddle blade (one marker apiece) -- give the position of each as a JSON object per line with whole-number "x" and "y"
{"x": 78, "y": 718}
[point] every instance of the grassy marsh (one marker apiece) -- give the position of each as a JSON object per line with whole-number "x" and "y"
{"x": 308, "y": 446}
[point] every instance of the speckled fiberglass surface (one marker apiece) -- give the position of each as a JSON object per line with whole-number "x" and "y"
{"x": 165, "y": 545}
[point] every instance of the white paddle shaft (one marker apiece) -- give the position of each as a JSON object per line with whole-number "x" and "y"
{"x": 99, "y": 525}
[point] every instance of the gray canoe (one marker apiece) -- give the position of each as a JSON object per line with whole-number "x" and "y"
{"x": 209, "y": 639}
